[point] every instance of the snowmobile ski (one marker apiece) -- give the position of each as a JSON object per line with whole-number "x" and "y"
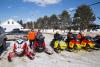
{"x": 49, "y": 52}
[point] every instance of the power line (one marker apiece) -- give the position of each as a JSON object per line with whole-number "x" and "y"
{"x": 98, "y": 17}
{"x": 94, "y": 3}
{"x": 88, "y": 5}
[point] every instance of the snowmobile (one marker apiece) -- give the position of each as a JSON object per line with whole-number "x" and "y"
{"x": 74, "y": 44}
{"x": 20, "y": 48}
{"x": 88, "y": 43}
{"x": 58, "y": 45}
{"x": 3, "y": 47}
{"x": 97, "y": 41}
{"x": 39, "y": 46}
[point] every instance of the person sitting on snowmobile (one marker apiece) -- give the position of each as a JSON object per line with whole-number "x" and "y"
{"x": 39, "y": 43}
{"x": 39, "y": 32}
{"x": 69, "y": 35}
{"x": 57, "y": 36}
{"x": 79, "y": 36}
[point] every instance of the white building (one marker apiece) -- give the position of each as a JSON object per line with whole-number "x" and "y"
{"x": 10, "y": 24}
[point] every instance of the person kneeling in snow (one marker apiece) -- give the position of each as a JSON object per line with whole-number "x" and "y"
{"x": 57, "y": 36}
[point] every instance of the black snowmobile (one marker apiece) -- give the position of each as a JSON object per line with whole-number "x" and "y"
{"x": 97, "y": 41}
{"x": 3, "y": 47}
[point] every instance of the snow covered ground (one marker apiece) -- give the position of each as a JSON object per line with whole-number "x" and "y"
{"x": 64, "y": 59}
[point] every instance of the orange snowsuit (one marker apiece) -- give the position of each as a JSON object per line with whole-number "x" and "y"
{"x": 31, "y": 35}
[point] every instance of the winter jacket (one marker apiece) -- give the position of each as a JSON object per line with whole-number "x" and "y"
{"x": 69, "y": 35}
{"x": 57, "y": 36}
{"x": 31, "y": 35}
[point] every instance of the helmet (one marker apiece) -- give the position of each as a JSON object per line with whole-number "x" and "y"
{"x": 39, "y": 30}
{"x": 57, "y": 32}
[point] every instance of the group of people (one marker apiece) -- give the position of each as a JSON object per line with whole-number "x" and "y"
{"x": 71, "y": 41}
{"x": 37, "y": 44}
{"x": 20, "y": 47}
{"x": 75, "y": 41}
{"x": 58, "y": 36}
{"x": 79, "y": 36}
{"x": 35, "y": 36}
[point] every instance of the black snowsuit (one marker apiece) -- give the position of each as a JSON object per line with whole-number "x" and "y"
{"x": 57, "y": 36}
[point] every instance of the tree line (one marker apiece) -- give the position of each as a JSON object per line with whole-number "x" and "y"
{"x": 83, "y": 19}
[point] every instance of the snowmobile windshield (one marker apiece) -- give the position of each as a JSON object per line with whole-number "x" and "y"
{"x": 96, "y": 38}
{"x": 20, "y": 41}
{"x": 77, "y": 39}
{"x": 89, "y": 38}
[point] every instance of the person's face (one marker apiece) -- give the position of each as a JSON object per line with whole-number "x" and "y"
{"x": 33, "y": 30}
{"x": 38, "y": 30}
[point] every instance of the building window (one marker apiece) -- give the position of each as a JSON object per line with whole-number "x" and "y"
{"x": 8, "y": 22}
{"x": 12, "y": 22}
{"x": 4, "y": 28}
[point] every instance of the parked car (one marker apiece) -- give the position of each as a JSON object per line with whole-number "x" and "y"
{"x": 15, "y": 34}
{"x": 2, "y": 39}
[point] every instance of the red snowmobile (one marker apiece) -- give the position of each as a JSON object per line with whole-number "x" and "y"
{"x": 40, "y": 46}
{"x": 88, "y": 43}
{"x": 20, "y": 48}
{"x": 74, "y": 43}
